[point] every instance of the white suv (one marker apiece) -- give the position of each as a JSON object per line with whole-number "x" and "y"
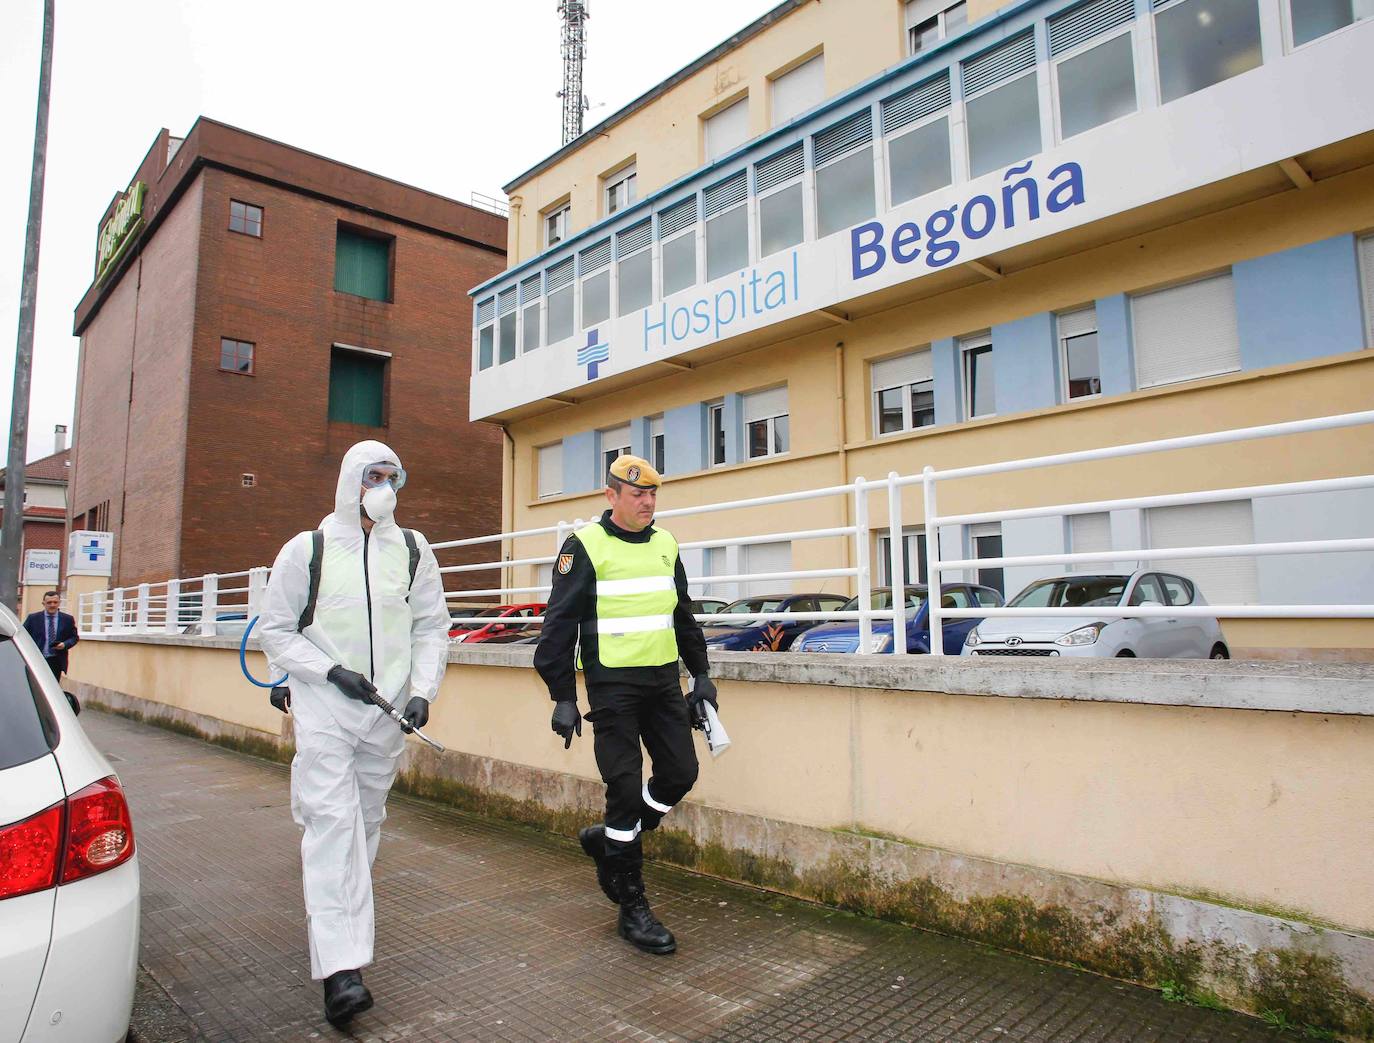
{"x": 68, "y": 873}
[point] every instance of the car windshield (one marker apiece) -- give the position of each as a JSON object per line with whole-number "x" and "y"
{"x": 1067, "y": 592}
{"x": 465, "y": 618}
{"x": 882, "y": 599}
{"x": 749, "y": 606}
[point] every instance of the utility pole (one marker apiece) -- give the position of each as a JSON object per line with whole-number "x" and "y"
{"x": 574, "y": 46}
{"x": 12, "y": 535}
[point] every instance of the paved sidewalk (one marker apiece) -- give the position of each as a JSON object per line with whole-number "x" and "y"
{"x": 493, "y": 932}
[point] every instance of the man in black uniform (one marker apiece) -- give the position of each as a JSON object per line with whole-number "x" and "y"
{"x": 619, "y": 590}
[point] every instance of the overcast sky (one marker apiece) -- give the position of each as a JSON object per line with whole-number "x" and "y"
{"x": 454, "y": 96}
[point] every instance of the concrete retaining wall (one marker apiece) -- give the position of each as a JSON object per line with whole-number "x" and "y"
{"x": 1203, "y": 824}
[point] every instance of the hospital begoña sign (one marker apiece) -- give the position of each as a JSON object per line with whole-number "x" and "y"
{"x": 116, "y": 232}
{"x": 947, "y": 230}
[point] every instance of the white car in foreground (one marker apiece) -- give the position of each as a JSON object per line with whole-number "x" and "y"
{"x": 1075, "y": 630}
{"x": 68, "y": 873}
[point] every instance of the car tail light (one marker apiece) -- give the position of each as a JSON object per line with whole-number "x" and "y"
{"x": 29, "y": 853}
{"x": 100, "y": 834}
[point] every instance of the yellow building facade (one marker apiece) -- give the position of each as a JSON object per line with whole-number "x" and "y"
{"x": 870, "y": 237}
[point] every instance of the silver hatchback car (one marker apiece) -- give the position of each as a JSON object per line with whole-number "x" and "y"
{"x": 1087, "y": 635}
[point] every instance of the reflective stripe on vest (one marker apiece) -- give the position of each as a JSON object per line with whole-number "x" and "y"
{"x": 636, "y": 592}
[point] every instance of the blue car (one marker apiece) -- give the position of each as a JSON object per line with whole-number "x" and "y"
{"x": 844, "y": 636}
{"x": 768, "y": 635}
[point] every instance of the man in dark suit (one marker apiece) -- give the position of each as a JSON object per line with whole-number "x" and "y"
{"x": 53, "y": 632}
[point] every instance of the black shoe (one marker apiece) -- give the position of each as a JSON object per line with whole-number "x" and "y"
{"x": 344, "y": 996}
{"x": 593, "y": 841}
{"x": 637, "y": 924}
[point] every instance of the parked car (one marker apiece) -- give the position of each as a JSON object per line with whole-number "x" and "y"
{"x": 227, "y": 624}
{"x": 768, "y": 635}
{"x": 1085, "y": 634}
{"x": 844, "y": 636}
{"x": 68, "y": 872}
{"x": 708, "y": 606}
{"x": 505, "y": 623}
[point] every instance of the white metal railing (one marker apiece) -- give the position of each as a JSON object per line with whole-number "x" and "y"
{"x": 203, "y": 603}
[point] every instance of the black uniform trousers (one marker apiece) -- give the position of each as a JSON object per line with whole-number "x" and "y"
{"x": 622, "y": 715}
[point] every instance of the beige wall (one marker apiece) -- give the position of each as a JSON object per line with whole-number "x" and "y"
{"x": 1259, "y": 808}
{"x": 665, "y": 138}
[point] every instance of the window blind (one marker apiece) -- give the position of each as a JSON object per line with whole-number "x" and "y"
{"x": 1071, "y": 28}
{"x": 634, "y": 238}
{"x": 485, "y": 310}
{"x": 1186, "y": 332}
{"x": 505, "y": 302}
{"x": 1367, "y": 282}
{"x": 764, "y": 404}
{"x": 914, "y": 103}
{"x": 1077, "y": 323}
{"x": 530, "y": 288}
{"x": 1001, "y": 63}
{"x": 904, "y": 369}
{"x": 784, "y": 166}
{"x": 675, "y": 218}
{"x": 796, "y": 91}
{"x": 551, "y": 469}
{"x": 1223, "y": 581}
{"x": 595, "y": 257}
{"x": 560, "y": 274}
{"x": 843, "y": 137}
{"x": 725, "y": 194}
{"x": 1088, "y": 534}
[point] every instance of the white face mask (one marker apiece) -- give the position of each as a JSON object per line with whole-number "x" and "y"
{"x": 380, "y": 503}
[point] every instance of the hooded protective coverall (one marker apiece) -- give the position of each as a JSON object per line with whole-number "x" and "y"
{"x": 370, "y": 618}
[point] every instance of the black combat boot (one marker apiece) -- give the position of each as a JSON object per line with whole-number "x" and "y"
{"x": 345, "y": 995}
{"x": 593, "y": 841}
{"x": 637, "y": 924}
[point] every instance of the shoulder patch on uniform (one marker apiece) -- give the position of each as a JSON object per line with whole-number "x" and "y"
{"x": 565, "y": 563}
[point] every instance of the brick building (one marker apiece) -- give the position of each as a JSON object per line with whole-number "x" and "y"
{"x": 255, "y": 310}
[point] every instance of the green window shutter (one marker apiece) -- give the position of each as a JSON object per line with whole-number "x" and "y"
{"x": 355, "y": 388}
{"x": 362, "y": 265}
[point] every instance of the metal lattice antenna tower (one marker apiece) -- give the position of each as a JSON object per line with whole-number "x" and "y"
{"x": 575, "y": 15}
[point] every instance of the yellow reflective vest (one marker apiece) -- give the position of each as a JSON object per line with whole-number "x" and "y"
{"x": 636, "y": 592}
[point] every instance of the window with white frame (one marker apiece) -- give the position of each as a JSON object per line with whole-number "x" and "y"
{"x": 1094, "y": 64}
{"x": 529, "y": 312}
{"x": 615, "y": 442}
{"x": 657, "y": 445}
{"x": 930, "y": 21}
{"x": 778, "y": 183}
{"x": 1078, "y": 362}
{"x": 727, "y": 129}
{"x": 1202, "y": 42}
{"x": 843, "y": 155}
{"x": 595, "y": 263}
{"x": 1090, "y": 534}
{"x": 550, "y": 467}
{"x": 559, "y": 317}
{"x": 506, "y": 322}
{"x": 986, "y": 540}
{"x": 1002, "y": 105}
{"x": 1312, "y": 19}
{"x": 634, "y": 267}
{"x": 556, "y": 224}
{"x": 980, "y": 389}
{"x": 1223, "y": 581}
{"x": 1366, "y": 250}
{"x": 903, "y": 393}
{"x": 677, "y": 234}
{"x": 794, "y": 92}
{"x": 916, "y": 126}
{"x": 913, "y": 557}
{"x": 618, "y": 190}
{"x": 725, "y": 206}
{"x": 486, "y": 333}
{"x": 1185, "y": 332}
{"x": 715, "y": 433}
{"x": 766, "y": 423}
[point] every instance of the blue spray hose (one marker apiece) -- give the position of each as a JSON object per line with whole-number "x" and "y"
{"x": 243, "y": 660}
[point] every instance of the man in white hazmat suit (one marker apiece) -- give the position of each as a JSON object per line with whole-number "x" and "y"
{"x": 379, "y": 623}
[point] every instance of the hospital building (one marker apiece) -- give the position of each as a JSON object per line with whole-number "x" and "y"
{"x": 872, "y": 236}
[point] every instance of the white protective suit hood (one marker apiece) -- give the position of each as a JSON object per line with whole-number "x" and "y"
{"x": 348, "y": 493}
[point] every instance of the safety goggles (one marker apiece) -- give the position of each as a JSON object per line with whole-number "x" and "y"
{"x": 378, "y": 474}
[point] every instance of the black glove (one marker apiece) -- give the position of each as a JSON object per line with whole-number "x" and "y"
{"x": 281, "y": 698}
{"x": 351, "y": 683}
{"x": 703, "y": 692}
{"x": 416, "y": 715}
{"x": 566, "y": 720}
